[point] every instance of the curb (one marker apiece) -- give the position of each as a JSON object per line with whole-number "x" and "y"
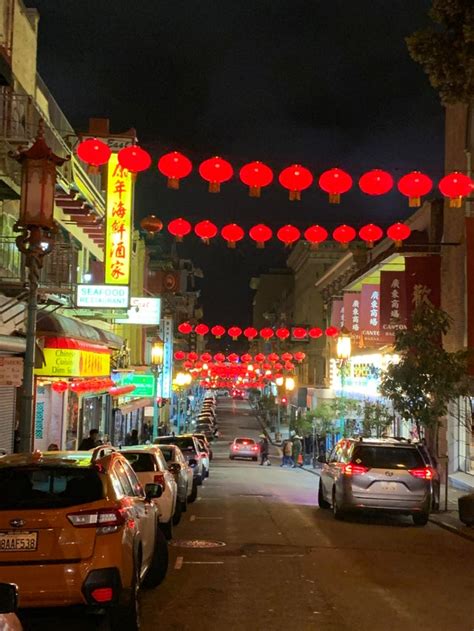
{"x": 453, "y": 529}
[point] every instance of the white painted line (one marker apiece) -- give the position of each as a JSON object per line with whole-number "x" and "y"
{"x": 209, "y": 517}
{"x": 178, "y": 563}
{"x": 192, "y": 518}
{"x": 203, "y": 562}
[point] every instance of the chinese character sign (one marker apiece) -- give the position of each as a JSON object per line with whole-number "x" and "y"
{"x": 166, "y": 332}
{"x": 422, "y": 277}
{"x": 118, "y": 240}
{"x": 393, "y": 306}
{"x": 337, "y": 313}
{"x": 370, "y": 313}
{"x": 352, "y": 313}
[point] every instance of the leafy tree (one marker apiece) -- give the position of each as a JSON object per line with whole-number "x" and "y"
{"x": 427, "y": 377}
{"x": 446, "y": 50}
{"x": 377, "y": 418}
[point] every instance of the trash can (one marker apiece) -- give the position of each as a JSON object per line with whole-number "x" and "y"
{"x": 466, "y": 509}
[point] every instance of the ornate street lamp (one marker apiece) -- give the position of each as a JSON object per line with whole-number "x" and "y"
{"x": 157, "y": 351}
{"x": 36, "y": 227}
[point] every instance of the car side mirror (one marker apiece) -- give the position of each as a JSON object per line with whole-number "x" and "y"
{"x": 8, "y": 598}
{"x": 322, "y": 458}
{"x": 153, "y": 491}
{"x": 192, "y": 462}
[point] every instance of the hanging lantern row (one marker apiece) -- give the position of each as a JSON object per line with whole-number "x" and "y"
{"x": 282, "y": 333}
{"x": 83, "y": 385}
{"x": 289, "y": 234}
{"x": 295, "y": 178}
{"x": 233, "y": 357}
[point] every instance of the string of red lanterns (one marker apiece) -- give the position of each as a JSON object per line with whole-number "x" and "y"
{"x": 266, "y": 333}
{"x": 295, "y": 178}
{"x": 246, "y": 358}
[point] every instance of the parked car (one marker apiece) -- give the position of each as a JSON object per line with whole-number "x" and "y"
{"x": 203, "y": 429}
{"x": 183, "y": 473}
{"x": 84, "y": 516}
{"x": 203, "y": 438}
{"x": 204, "y": 456}
{"x": 148, "y": 463}
{"x": 9, "y": 607}
{"x": 190, "y": 448}
{"x": 243, "y": 448}
{"x": 376, "y": 475}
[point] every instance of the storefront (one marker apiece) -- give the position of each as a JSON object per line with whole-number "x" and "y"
{"x": 133, "y": 396}
{"x": 11, "y": 372}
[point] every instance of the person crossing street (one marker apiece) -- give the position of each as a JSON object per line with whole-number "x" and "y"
{"x": 264, "y": 449}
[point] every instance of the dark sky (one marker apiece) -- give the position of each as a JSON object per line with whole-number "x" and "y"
{"x": 321, "y": 83}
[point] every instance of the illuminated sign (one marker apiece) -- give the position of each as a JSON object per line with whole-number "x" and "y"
{"x": 166, "y": 332}
{"x": 105, "y": 296}
{"x": 68, "y": 362}
{"x": 146, "y": 311}
{"x": 118, "y": 242}
{"x": 144, "y": 384}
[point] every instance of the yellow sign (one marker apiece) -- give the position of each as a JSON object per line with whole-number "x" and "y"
{"x": 118, "y": 241}
{"x": 68, "y": 362}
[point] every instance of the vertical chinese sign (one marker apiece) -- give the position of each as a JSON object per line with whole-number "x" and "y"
{"x": 166, "y": 332}
{"x": 337, "y": 313}
{"x": 370, "y": 314}
{"x": 422, "y": 278}
{"x": 393, "y": 305}
{"x": 352, "y": 313}
{"x": 118, "y": 242}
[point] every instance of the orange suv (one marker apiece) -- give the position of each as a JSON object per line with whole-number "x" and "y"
{"x": 76, "y": 528}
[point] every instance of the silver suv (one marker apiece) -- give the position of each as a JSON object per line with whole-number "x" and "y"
{"x": 380, "y": 474}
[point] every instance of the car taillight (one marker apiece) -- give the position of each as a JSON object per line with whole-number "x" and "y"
{"x": 102, "y": 594}
{"x": 424, "y": 473}
{"x": 97, "y": 518}
{"x": 159, "y": 478}
{"x": 354, "y": 469}
{"x": 235, "y": 447}
{"x": 254, "y": 447}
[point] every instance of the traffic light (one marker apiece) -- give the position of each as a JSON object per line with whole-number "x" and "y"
{"x": 283, "y": 400}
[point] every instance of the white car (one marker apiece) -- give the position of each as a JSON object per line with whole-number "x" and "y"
{"x": 150, "y": 466}
{"x": 8, "y": 607}
{"x": 204, "y": 457}
{"x": 183, "y": 475}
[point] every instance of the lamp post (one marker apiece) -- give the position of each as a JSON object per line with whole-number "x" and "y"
{"x": 157, "y": 350}
{"x": 279, "y": 382}
{"x": 289, "y": 387}
{"x": 36, "y": 227}
{"x": 343, "y": 353}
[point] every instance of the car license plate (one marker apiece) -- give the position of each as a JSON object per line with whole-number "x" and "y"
{"x": 18, "y": 541}
{"x": 389, "y": 486}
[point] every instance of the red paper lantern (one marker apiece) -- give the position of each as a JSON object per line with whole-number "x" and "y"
{"x": 250, "y": 332}
{"x": 278, "y": 366}
{"x": 206, "y": 357}
{"x": 233, "y": 357}
{"x": 260, "y": 234}
{"x": 179, "y": 228}
{"x": 266, "y": 333}
{"x": 295, "y": 178}
{"x": 299, "y": 333}
{"x": 335, "y": 182}
{"x": 259, "y": 357}
{"x": 456, "y": 185}
{"x": 299, "y": 356}
{"x": 232, "y": 233}
{"x": 205, "y": 230}
{"x": 219, "y": 357}
{"x": 218, "y": 331}
{"x": 187, "y": 364}
{"x": 414, "y": 185}
{"x": 282, "y": 333}
{"x": 344, "y": 235}
{"x": 235, "y": 332}
{"x": 273, "y": 357}
{"x": 267, "y": 366}
{"x": 332, "y": 331}
{"x": 246, "y": 358}
{"x": 59, "y": 386}
{"x": 94, "y": 152}
{"x": 315, "y": 332}
{"x": 286, "y": 357}
{"x": 256, "y": 175}
{"x": 179, "y": 355}
{"x": 175, "y": 167}
{"x": 370, "y": 233}
{"x": 201, "y": 329}
{"x": 376, "y": 182}
{"x": 151, "y": 224}
{"x": 185, "y": 328}
{"x": 288, "y": 235}
{"x": 289, "y": 366}
{"x": 398, "y": 232}
{"x": 315, "y": 235}
{"x": 134, "y": 158}
{"x": 192, "y": 356}
{"x": 215, "y": 171}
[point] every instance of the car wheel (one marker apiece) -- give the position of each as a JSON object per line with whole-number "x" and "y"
{"x": 177, "y": 513}
{"x": 321, "y": 501}
{"x": 207, "y": 473}
{"x": 337, "y": 512}
{"x": 420, "y": 519}
{"x": 199, "y": 480}
{"x": 159, "y": 562}
{"x": 194, "y": 493}
{"x": 167, "y": 529}
{"x": 127, "y": 615}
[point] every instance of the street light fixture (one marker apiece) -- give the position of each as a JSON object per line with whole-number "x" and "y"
{"x": 36, "y": 227}
{"x": 157, "y": 351}
{"x": 343, "y": 353}
{"x": 180, "y": 383}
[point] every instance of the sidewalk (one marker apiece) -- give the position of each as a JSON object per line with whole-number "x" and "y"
{"x": 447, "y": 519}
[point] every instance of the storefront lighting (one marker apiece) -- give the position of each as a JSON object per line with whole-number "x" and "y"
{"x": 289, "y": 384}
{"x": 279, "y": 381}
{"x": 343, "y": 345}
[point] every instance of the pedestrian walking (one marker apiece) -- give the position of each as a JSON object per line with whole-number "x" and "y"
{"x": 132, "y": 438}
{"x": 91, "y": 441}
{"x": 287, "y": 449}
{"x": 297, "y": 451}
{"x": 264, "y": 449}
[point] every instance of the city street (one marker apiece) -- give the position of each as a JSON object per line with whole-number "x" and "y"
{"x": 284, "y": 564}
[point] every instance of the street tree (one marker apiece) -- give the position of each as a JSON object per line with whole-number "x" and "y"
{"x": 376, "y": 418}
{"x": 427, "y": 376}
{"x": 445, "y": 50}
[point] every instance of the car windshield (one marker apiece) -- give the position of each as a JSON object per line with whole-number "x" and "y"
{"x": 185, "y": 443}
{"x": 382, "y": 457}
{"x": 48, "y": 487}
{"x": 244, "y": 441}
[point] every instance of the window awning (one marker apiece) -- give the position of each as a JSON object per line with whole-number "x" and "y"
{"x": 54, "y": 324}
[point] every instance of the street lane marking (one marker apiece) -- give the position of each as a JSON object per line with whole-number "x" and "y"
{"x": 203, "y": 562}
{"x": 178, "y": 563}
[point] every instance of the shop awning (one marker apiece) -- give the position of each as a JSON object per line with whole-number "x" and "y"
{"x": 126, "y": 408}
{"x": 12, "y": 345}
{"x": 54, "y": 324}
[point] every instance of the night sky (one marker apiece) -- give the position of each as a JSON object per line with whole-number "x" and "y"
{"x": 321, "y": 83}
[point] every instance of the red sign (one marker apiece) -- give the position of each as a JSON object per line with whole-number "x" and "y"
{"x": 370, "y": 314}
{"x": 393, "y": 304}
{"x": 422, "y": 277}
{"x": 352, "y": 313}
{"x": 337, "y": 314}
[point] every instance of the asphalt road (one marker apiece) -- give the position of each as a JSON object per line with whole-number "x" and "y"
{"x": 282, "y": 563}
